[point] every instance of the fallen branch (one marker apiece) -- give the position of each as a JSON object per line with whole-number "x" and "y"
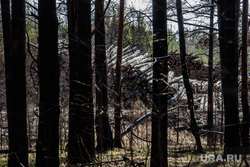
{"x": 138, "y": 121}
{"x": 128, "y": 129}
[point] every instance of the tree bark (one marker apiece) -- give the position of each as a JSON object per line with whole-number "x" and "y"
{"x": 117, "y": 98}
{"x": 81, "y": 121}
{"x": 160, "y": 88}
{"x": 210, "y": 136}
{"x": 48, "y": 65}
{"x": 244, "y": 90}
{"x": 228, "y": 37}
{"x": 193, "y": 124}
{"x": 103, "y": 130}
{"x": 14, "y": 48}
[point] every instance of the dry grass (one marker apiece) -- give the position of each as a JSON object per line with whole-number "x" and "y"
{"x": 136, "y": 144}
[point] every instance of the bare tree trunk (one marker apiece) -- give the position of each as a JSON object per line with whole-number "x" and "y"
{"x": 14, "y": 48}
{"x": 159, "y": 155}
{"x": 6, "y": 26}
{"x": 117, "y": 103}
{"x": 48, "y": 64}
{"x": 72, "y": 29}
{"x": 81, "y": 121}
{"x": 103, "y": 130}
{"x": 210, "y": 136}
{"x": 228, "y": 36}
{"x": 244, "y": 90}
{"x": 193, "y": 124}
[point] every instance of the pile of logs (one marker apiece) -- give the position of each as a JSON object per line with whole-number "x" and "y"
{"x": 137, "y": 73}
{"x": 196, "y": 68}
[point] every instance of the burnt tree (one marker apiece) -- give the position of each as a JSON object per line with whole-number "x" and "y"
{"x": 228, "y": 13}
{"x": 14, "y": 49}
{"x": 81, "y": 121}
{"x": 103, "y": 131}
{"x": 210, "y": 138}
{"x": 160, "y": 88}
{"x": 117, "y": 98}
{"x": 48, "y": 65}
{"x": 244, "y": 89}
{"x": 190, "y": 98}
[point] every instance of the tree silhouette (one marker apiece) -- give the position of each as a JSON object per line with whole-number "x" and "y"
{"x": 160, "y": 88}
{"x": 81, "y": 121}
{"x": 104, "y": 134}
{"x": 14, "y": 48}
{"x": 228, "y": 37}
{"x": 48, "y": 65}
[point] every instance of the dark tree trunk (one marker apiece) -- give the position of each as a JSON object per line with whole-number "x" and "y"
{"x": 103, "y": 131}
{"x": 72, "y": 28}
{"x": 81, "y": 121}
{"x": 6, "y": 26}
{"x": 193, "y": 124}
{"x": 210, "y": 138}
{"x": 160, "y": 88}
{"x": 228, "y": 37}
{"x": 244, "y": 90}
{"x": 14, "y": 47}
{"x": 117, "y": 103}
{"x": 48, "y": 65}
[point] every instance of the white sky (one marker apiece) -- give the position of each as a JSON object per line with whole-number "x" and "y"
{"x": 139, "y": 4}
{"x": 142, "y": 4}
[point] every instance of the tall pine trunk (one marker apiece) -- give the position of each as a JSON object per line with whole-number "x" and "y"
{"x": 160, "y": 88}
{"x": 103, "y": 130}
{"x": 210, "y": 136}
{"x": 81, "y": 121}
{"x": 244, "y": 90}
{"x": 117, "y": 103}
{"x": 14, "y": 47}
{"x": 48, "y": 65}
{"x": 228, "y": 37}
{"x": 190, "y": 98}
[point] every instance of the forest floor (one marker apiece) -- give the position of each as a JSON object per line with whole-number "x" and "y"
{"x": 181, "y": 143}
{"x": 136, "y": 145}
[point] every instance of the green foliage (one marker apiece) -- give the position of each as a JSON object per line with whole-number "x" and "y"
{"x": 33, "y": 35}
{"x": 173, "y": 44}
{"x": 3, "y": 162}
{"x": 137, "y": 34}
{"x": 201, "y": 53}
{"x": 111, "y": 23}
{"x": 32, "y": 160}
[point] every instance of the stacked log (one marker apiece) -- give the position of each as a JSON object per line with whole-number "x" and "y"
{"x": 137, "y": 73}
{"x": 134, "y": 87}
{"x": 196, "y": 68}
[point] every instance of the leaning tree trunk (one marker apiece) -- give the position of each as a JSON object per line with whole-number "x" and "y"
{"x": 103, "y": 130}
{"x": 14, "y": 47}
{"x": 210, "y": 136}
{"x": 117, "y": 98}
{"x": 81, "y": 121}
{"x": 244, "y": 90}
{"x": 159, "y": 156}
{"x": 228, "y": 37}
{"x": 48, "y": 65}
{"x": 193, "y": 124}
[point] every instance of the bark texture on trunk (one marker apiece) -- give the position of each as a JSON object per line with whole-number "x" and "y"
{"x": 160, "y": 88}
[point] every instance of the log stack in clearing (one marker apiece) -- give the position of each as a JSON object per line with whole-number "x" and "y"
{"x": 137, "y": 73}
